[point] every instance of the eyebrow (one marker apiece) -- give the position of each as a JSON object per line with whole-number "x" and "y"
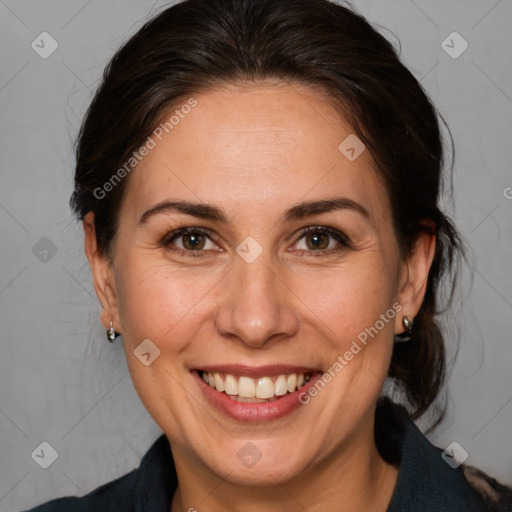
{"x": 296, "y": 212}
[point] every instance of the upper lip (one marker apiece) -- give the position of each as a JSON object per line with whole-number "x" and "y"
{"x": 257, "y": 371}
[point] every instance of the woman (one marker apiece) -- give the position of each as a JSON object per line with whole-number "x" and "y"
{"x": 258, "y": 183}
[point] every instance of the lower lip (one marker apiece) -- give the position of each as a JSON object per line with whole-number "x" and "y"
{"x": 254, "y": 412}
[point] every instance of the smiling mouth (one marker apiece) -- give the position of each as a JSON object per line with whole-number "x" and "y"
{"x": 246, "y": 389}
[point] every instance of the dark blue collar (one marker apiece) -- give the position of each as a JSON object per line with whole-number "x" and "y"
{"x": 426, "y": 483}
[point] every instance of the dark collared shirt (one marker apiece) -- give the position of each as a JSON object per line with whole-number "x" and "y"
{"x": 426, "y": 483}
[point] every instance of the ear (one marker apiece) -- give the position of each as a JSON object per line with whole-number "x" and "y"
{"x": 102, "y": 275}
{"x": 414, "y": 275}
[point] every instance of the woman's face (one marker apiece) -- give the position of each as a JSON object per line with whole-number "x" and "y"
{"x": 248, "y": 296}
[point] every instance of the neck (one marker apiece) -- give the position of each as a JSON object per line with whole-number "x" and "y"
{"x": 354, "y": 478}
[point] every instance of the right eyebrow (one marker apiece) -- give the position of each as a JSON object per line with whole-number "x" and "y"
{"x": 200, "y": 210}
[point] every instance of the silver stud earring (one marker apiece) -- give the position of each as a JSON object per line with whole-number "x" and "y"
{"x": 111, "y": 334}
{"x": 407, "y": 322}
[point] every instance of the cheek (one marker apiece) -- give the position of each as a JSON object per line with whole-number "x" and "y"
{"x": 348, "y": 299}
{"x": 158, "y": 301}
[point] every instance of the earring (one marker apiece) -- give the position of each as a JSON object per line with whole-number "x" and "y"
{"x": 407, "y": 322}
{"x": 111, "y": 334}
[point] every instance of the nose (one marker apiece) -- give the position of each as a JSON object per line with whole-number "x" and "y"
{"x": 256, "y": 305}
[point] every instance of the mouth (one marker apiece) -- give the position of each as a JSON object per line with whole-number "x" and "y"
{"x": 249, "y": 390}
{"x": 248, "y": 393}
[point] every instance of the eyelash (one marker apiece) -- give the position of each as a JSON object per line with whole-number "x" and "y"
{"x": 337, "y": 235}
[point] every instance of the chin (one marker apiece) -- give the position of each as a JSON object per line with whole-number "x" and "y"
{"x": 249, "y": 463}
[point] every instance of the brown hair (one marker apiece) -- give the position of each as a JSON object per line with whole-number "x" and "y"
{"x": 196, "y": 45}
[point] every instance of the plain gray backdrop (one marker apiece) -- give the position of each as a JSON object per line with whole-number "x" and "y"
{"x": 62, "y": 383}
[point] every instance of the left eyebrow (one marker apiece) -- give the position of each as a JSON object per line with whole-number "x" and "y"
{"x": 296, "y": 212}
{"x": 306, "y": 209}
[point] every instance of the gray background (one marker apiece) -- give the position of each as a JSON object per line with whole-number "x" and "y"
{"x": 63, "y": 383}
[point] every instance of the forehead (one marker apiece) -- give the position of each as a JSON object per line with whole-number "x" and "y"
{"x": 254, "y": 145}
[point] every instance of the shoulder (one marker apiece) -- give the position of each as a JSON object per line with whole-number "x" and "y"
{"x": 426, "y": 482}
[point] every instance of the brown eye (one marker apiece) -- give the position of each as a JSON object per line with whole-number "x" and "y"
{"x": 320, "y": 240}
{"x": 317, "y": 241}
{"x": 193, "y": 241}
{"x": 189, "y": 239}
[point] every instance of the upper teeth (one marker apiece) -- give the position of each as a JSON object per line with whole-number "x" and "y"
{"x": 262, "y": 387}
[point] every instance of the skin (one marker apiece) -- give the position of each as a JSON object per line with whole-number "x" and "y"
{"x": 255, "y": 150}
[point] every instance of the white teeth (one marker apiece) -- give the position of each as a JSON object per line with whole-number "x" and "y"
{"x": 249, "y": 390}
{"x": 280, "y": 386}
{"x": 291, "y": 382}
{"x": 246, "y": 387}
{"x": 219, "y": 383}
{"x": 264, "y": 388}
{"x": 230, "y": 385}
